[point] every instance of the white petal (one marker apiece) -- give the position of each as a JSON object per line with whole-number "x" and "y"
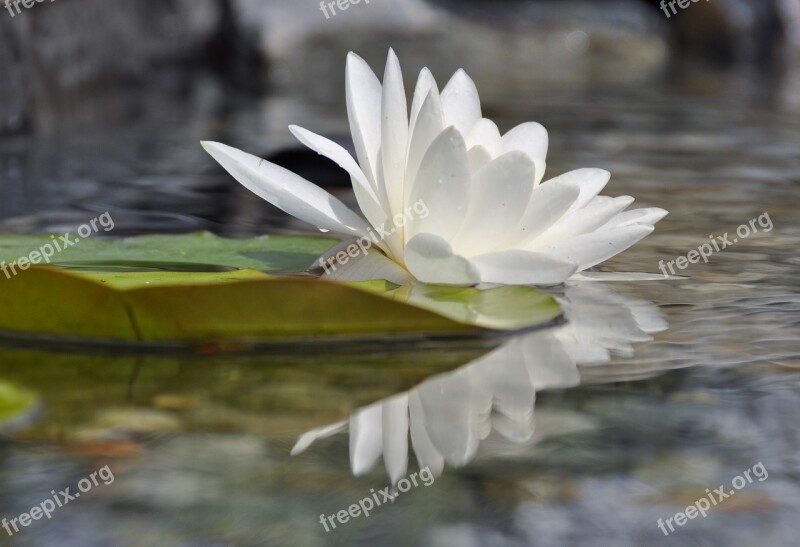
{"x": 506, "y": 377}
{"x": 517, "y": 267}
{"x": 483, "y": 425}
{"x": 589, "y": 181}
{"x": 450, "y": 413}
{"x": 307, "y": 439}
{"x": 395, "y": 437}
{"x": 430, "y": 258}
{"x": 394, "y": 134}
{"x": 334, "y": 152}
{"x": 648, "y": 215}
{"x": 582, "y": 221}
{"x": 531, "y": 138}
{"x": 498, "y": 196}
{"x": 429, "y": 125}
{"x": 479, "y": 158}
{"x": 363, "y": 91}
{"x": 548, "y": 203}
{"x": 590, "y": 249}
{"x": 366, "y": 266}
{"x": 515, "y": 429}
{"x": 425, "y": 85}
{"x": 393, "y": 241}
{"x": 598, "y": 314}
{"x": 462, "y": 105}
{"x": 365, "y": 195}
{"x": 648, "y": 316}
{"x": 485, "y": 133}
{"x": 288, "y": 191}
{"x": 549, "y": 365}
{"x": 366, "y": 438}
{"x": 584, "y": 353}
{"x": 427, "y": 454}
{"x": 442, "y": 184}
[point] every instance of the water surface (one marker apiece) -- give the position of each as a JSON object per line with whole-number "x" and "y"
{"x": 585, "y": 434}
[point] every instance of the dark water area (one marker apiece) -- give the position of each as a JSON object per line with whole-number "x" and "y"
{"x": 586, "y": 433}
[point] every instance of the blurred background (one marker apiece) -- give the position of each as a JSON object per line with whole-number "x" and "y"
{"x": 102, "y": 103}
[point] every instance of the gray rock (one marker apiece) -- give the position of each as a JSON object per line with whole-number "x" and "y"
{"x": 13, "y": 91}
{"x": 563, "y": 43}
{"x": 54, "y": 54}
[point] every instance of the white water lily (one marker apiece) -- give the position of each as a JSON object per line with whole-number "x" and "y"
{"x": 490, "y": 217}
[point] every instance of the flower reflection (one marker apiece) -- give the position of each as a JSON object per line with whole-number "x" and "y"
{"x": 447, "y": 416}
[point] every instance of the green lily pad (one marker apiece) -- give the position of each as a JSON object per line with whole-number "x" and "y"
{"x": 273, "y": 254}
{"x": 201, "y": 288}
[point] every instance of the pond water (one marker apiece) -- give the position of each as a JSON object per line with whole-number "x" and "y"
{"x": 587, "y": 433}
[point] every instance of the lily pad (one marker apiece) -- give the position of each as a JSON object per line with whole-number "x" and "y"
{"x": 274, "y": 254}
{"x": 201, "y": 288}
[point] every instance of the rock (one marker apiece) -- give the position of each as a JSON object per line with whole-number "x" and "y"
{"x": 563, "y": 43}
{"x": 722, "y": 30}
{"x": 139, "y": 420}
{"x": 731, "y": 30}
{"x": 14, "y": 92}
{"x": 56, "y": 55}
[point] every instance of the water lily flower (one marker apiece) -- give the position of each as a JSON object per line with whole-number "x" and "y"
{"x": 489, "y": 217}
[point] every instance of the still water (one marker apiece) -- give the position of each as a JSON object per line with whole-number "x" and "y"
{"x": 586, "y": 433}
